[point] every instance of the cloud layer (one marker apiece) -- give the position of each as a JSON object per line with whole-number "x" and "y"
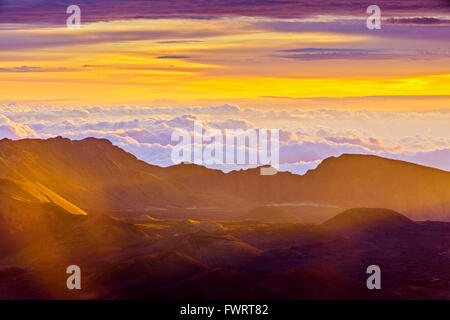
{"x": 306, "y": 136}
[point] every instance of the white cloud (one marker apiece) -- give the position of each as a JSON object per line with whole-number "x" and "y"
{"x": 306, "y": 136}
{"x": 12, "y": 130}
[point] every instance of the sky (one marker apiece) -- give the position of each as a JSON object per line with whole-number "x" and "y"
{"x": 310, "y": 68}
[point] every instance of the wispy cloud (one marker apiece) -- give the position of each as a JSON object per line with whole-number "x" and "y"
{"x": 173, "y": 57}
{"x": 21, "y": 69}
{"x": 33, "y": 69}
{"x": 419, "y": 21}
{"x": 337, "y": 53}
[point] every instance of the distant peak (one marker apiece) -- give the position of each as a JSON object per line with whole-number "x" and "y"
{"x": 367, "y": 218}
{"x": 97, "y": 140}
{"x": 353, "y": 156}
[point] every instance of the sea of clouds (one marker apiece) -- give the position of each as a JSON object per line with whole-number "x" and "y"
{"x": 306, "y": 136}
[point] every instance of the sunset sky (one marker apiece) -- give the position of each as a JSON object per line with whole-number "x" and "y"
{"x": 264, "y": 55}
{"x": 261, "y": 53}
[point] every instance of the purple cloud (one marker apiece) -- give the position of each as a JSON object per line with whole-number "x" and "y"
{"x": 337, "y": 53}
{"x": 173, "y": 57}
{"x": 54, "y": 12}
{"x": 419, "y": 21}
{"x": 21, "y": 69}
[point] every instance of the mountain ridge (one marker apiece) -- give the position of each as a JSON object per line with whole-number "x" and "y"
{"x": 93, "y": 174}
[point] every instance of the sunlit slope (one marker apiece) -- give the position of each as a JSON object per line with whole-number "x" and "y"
{"x": 92, "y": 174}
{"x": 46, "y": 195}
{"x": 29, "y": 192}
{"x": 27, "y": 213}
{"x": 39, "y": 224}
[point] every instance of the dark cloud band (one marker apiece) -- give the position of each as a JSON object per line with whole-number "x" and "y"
{"x": 54, "y": 12}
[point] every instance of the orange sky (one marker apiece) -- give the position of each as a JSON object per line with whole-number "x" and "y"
{"x": 248, "y": 61}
